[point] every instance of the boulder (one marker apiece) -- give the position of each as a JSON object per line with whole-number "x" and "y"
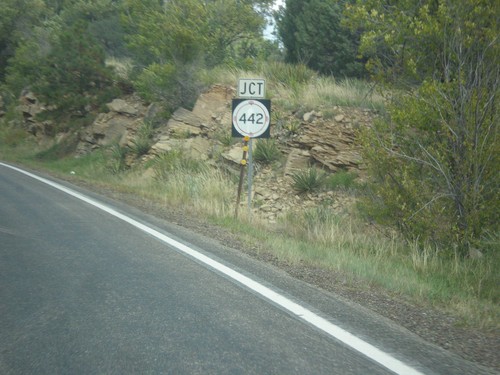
{"x": 185, "y": 124}
{"x": 297, "y": 160}
{"x": 214, "y": 103}
{"x": 122, "y": 107}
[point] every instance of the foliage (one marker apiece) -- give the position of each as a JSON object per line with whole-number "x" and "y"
{"x": 292, "y": 126}
{"x": 180, "y": 32}
{"x": 11, "y": 136}
{"x": 434, "y": 159}
{"x": 143, "y": 140}
{"x": 413, "y": 39}
{"x": 341, "y": 180}
{"x": 312, "y": 34}
{"x": 175, "y": 40}
{"x": 266, "y": 151}
{"x": 174, "y": 86}
{"x": 65, "y": 69}
{"x": 117, "y": 161}
{"x": 17, "y": 19}
{"x": 309, "y": 180}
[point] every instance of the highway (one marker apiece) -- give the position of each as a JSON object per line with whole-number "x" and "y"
{"x": 91, "y": 286}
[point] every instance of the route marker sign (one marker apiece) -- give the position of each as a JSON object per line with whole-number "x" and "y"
{"x": 252, "y": 88}
{"x": 251, "y": 117}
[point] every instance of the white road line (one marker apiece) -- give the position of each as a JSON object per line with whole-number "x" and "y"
{"x": 301, "y": 312}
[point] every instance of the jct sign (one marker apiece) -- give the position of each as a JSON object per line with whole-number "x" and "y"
{"x": 252, "y": 88}
{"x": 251, "y": 117}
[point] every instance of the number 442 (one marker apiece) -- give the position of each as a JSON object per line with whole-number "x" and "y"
{"x": 254, "y": 118}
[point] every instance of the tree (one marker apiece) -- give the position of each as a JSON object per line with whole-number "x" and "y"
{"x": 65, "y": 68}
{"x": 435, "y": 156}
{"x": 173, "y": 40}
{"x": 181, "y": 32}
{"x": 312, "y": 33}
{"x": 17, "y": 18}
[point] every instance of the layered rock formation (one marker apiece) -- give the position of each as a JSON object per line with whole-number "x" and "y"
{"x": 325, "y": 142}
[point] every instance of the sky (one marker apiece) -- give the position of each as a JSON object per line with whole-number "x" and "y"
{"x": 268, "y": 32}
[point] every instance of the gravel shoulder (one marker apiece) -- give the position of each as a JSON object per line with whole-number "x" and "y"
{"x": 432, "y": 325}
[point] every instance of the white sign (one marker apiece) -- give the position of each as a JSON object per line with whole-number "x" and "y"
{"x": 252, "y": 88}
{"x": 251, "y": 118}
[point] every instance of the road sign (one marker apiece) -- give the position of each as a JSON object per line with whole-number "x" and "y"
{"x": 252, "y": 88}
{"x": 251, "y": 118}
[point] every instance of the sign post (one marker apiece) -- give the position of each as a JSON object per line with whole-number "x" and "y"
{"x": 251, "y": 118}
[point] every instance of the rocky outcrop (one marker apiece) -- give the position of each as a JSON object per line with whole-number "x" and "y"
{"x": 119, "y": 125}
{"x": 331, "y": 143}
{"x": 324, "y": 138}
{"x": 121, "y": 107}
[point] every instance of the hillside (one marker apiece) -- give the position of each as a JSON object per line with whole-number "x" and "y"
{"x": 303, "y": 140}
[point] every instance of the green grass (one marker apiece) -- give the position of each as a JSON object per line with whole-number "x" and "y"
{"x": 341, "y": 180}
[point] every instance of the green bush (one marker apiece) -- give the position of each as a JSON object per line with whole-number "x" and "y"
{"x": 266, "y": 151}
{"x": 143, "y": 140}
{"x": 175, "y": 86}
{"x": 117, "y": 162}
{"x": 307, "y": 181}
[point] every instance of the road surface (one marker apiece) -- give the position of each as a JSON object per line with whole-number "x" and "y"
{"x": 90, "y": 286}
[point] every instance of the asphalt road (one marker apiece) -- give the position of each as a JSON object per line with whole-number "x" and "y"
{"x": 85, "y": 291}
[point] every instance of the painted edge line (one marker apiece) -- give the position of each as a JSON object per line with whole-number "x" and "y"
{"x": 368, "y": 350}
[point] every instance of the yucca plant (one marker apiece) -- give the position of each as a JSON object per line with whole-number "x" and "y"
{"x": 116, "y": 163}
{"x": 267, "y": 151}
{"x": 309, "y": 180}
{"x": 143, "y": 141}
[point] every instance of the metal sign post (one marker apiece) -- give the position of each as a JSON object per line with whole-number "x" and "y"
{"x": 242, "y": 172}
{"x": 250, "y": 176}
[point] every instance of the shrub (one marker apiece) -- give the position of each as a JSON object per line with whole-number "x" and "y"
{"x": 142, "y": 143}
{"x": 117, "y": 161}
{"x": 173, "y": 85}
{"x": 309, "y": 180}
{"x": 267, "y": 151}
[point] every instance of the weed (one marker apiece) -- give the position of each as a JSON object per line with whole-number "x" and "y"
{"x": 175, "y": 161}
{"x": 266, "y": 151}
{"x": 293, "y": 126}
{"x": 59, "y": 150}
{"x": 116, "y": 163}
{"x": 341, "y": 180}
{"x": 12, "y": 136}
{"x": 143, "y": 140}
{"x": 309, "y": 180}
